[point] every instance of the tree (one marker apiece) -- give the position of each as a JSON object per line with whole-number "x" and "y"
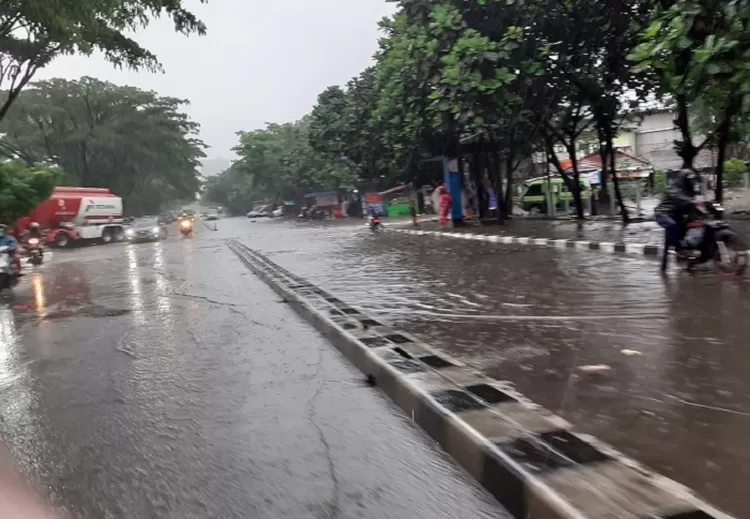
{"x": 282, "y": 164}
{"x": 232, "y": 189}
{"x": 699, "y": 50}
{"x": 342, "y": 127}
{"x": 23, "y": 187}
{"x": 140, "y": 145}
{"x": 34, "y": 32}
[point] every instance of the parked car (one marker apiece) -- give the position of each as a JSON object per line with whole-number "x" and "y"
{"x": 148, "y": 228}
{"x": 210, "y": 216}
{"x": 260, "y": 212}
{"x": 278, "y": 212}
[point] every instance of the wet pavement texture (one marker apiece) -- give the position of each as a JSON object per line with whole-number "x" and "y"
{"x": 166, "y": 381}
{"x": 656, "y": 366}
{"x": 590, "y": 230}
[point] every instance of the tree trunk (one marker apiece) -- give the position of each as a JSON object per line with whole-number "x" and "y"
{"x": 615, "y": 181}
{"x": 722, "y": 134}
{"x": 509, "y": 184}
{"x": 603, "y": 198}
{"x": 576, "y": 187}
{"x": 685, "y": 149}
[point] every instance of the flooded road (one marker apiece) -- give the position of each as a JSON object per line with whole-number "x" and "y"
{"x": 165, "y": 381}
{"x": 658, "y": 367}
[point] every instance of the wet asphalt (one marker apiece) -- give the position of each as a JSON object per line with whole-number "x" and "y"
{"x": 166, "y": 381}
{"x": 656, "y": 366}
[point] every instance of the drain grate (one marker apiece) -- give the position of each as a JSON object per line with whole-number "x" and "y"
{"x": 436, "y": 362}
{"x": 489, "y": 394}
{"x": 457, "y": 401}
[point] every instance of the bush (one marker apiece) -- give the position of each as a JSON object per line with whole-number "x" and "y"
{"x": 660, "y": 181}
{"x": 734, "y": 171}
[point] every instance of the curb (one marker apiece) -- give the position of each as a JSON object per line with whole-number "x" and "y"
{"x": 530, "y": 460}
{"x": 637, "y": 249}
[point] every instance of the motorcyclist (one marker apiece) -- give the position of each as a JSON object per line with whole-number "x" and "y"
{"x": 6, "y": 240}
{"x": 34, "y": 231}
{"x": 675, "y": 205}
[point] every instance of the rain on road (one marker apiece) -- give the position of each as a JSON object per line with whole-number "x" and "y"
{"x": 675, "y": 393}
{"x": 164, "y": 380}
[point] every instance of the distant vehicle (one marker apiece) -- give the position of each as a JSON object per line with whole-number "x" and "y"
{"x": 146, "y": 229}
{"x": 77, "y": 214}
{"x": 260, "y": 212}
{"x": 211, "y": 216}
{"x": 186, "y": 227}
{"x": 278, "y": 212}
{"x": 167, "y": 217}
{"x": 534, "y": 195}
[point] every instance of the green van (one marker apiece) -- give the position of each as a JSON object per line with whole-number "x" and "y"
{"x": 534, "y": 194}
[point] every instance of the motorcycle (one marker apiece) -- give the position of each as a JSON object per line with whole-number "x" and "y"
{"x": 8, "y": 273}
{"x": 186, "y": 227}
{"x": 34, "y": 251}
{"x": 375, "y": 224}
{"x": 709, "y": 238}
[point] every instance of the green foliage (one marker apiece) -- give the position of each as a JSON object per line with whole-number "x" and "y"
{"x": 34, "y": 32}
{"x": 734, "y": 172}
{"x": 23, "y": 187}
{"x": 279, "y": 163}
{"x": 231, "y": 189}
{"x": 140, "y": 145}
{"x": 660, "y": 181}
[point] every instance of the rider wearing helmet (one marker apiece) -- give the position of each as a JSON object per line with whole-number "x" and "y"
{"x": 34, "y": 231}
{"x": 676, "y": 203}
{"x": 9, "y": 241}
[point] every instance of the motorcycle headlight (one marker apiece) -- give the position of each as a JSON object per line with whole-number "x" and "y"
{"x": 34, "y": 241}
{"x": 129, "y": 232}
{"x": 185, "y": 224}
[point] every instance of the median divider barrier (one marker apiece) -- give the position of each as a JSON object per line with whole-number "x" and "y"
{"x": 637, "y": 249}
{"x": 532, "y": 461}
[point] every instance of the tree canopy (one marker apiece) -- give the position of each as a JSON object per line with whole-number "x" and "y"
{"x": 34, "y": 32}
{"x": 519, "y": 77}
{"x": 137, "y": 143}
{"x": 23, "y": 187}
{"x": 278, "y": 163}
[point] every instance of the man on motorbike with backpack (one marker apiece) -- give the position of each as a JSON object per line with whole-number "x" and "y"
{"x": 675, "y": 205}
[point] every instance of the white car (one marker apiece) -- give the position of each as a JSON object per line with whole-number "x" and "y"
{"x": 278, "y": 212}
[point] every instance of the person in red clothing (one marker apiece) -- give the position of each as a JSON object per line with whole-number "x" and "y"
{"x": 445, "y": 204}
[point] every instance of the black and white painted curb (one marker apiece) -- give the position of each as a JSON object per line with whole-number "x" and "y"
{"x": 638, "y": 249}
{"x": 532, "y": 461}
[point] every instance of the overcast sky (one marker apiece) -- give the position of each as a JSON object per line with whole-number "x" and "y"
{"x": 261, "y": 61}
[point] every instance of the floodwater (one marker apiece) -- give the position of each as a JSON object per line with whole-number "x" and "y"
{"x": 659, "y": 367}
{"x": 165, "y": 381}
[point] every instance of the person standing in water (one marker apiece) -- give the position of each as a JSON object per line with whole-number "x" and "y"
{"x": 445, "y": 204}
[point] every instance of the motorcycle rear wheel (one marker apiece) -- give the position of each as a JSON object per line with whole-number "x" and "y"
{"x": 735, "y": 250}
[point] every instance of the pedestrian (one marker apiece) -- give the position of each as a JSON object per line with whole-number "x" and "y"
{"x": 445, "y": 204}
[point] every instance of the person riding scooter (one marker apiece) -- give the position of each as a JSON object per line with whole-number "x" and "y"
{"x": 676, "y": 204}
{"x": 33, "y": 242}
{"x": 9, "y": 241}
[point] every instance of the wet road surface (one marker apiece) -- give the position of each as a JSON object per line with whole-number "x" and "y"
{"x": 671, "y": 385}
{"x": 166, "y": 381}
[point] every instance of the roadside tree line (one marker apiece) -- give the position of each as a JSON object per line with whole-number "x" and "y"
{"x": 277, "y": 163}
{"x": 140, "y": 145}
{"x": 519, "y": 77}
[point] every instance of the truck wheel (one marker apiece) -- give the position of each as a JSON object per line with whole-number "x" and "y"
{"x": 62, "y": 240}
{"x": 107, "y": 236}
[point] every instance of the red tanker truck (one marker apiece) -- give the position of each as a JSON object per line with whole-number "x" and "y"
{"x": 76, "y": 214}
